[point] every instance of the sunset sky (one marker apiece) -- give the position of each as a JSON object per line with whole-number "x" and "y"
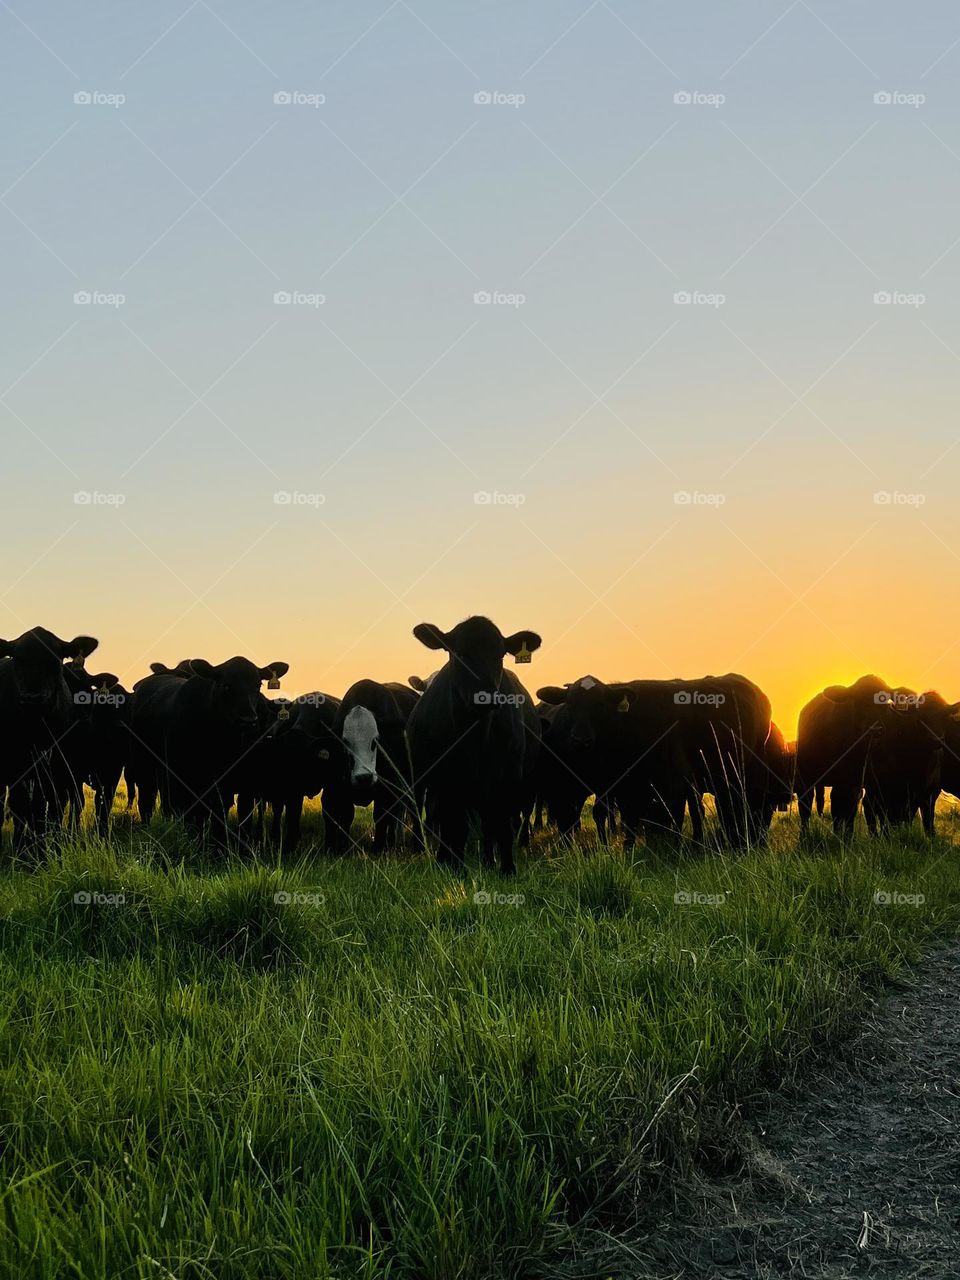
{"x": 585, "y": 397}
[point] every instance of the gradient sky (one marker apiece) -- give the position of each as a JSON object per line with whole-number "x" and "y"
{"x": 399, "y": 398}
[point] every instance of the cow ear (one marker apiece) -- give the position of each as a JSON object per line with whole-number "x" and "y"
{"x": 274, "y": 670}
{"x": 6, "y": 649}
{"x": 105, "y": 680}
{"x": 79, "y": 647}
{"x": 159, "y": 669}
{"x": 521, "y": 640}
{"x": 552, "y": 694}
{"x": 201, "y": 667}
{"x": 953, "y": 711}
{"x": 418, "y": 683}
{"x": 429, "y": 633}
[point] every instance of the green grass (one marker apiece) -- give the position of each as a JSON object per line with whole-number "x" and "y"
{"x": 391, "y": 1079}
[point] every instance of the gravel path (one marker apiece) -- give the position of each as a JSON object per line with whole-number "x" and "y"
{"x": 855, "y": 1175}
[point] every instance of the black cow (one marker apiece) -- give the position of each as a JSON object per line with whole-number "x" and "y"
{"x": 903, "y": 768}
{"x": 299, "y": 757}
{"x": 780, "y": 762}
{"x": 835, "y": 736}
{"x": 565, "y": 770}
{"x": 97, "y": 746}
{"x": 652, "y": 747}
{"x": 190, "y": 737}
{"x": 36, "y": 712}
{"x": 371, "y": 726}
{"x": 625, "y": 746}
{"x": 474, "y": 738}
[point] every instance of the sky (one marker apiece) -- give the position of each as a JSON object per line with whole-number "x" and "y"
{"x": 633, "y": 324}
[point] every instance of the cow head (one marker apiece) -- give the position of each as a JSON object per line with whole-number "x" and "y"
{"x": 590, "y": 704}
{"x": 369, "y": 711}
{"x": 476, "y": 649}
{"x": 862, "y": 705}
{"x": 37, "y": 659}
{"x": 236, "y": 688}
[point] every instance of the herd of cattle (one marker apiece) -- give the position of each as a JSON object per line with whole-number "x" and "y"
{"x": 467, "y": 745}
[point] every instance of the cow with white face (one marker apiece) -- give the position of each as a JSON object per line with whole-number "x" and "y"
{"x": 370, "y": 725}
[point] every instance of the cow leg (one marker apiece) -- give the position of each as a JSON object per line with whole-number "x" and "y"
{"x": 694, "y": 804}
{"x": 293, "y": 813}
{"x": 805, "y": 807}
{"x": 337, "y": 819}
{"x": 601, "y": 815}
{"x": 821, "y": 800}
{"x": 146, "y": 801}
{"x": 928, "y": 809}
{"x": 451, "y": 833}
{"x": 843, "y": 809}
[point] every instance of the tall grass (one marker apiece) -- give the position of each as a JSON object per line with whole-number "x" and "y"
{"x": 387, "y": 1075}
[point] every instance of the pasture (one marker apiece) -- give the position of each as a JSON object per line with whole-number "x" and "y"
{"x": 378, "y": 1067}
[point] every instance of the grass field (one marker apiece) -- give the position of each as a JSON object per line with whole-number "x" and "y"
{"x": 384, "y": 1077}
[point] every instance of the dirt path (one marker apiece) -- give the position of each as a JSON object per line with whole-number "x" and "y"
{"x": 858, "y": 1173}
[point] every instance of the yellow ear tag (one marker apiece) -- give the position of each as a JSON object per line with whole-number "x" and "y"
{"x": 524, "y": 654}
{"x": 623, "y": 704}
{"x": 324, "y": 754}
{"x": 77, "y": 663}
{"x": 283, "y": 714}
{"x": 104, "y": 688}
{"x": 274, "y": 681}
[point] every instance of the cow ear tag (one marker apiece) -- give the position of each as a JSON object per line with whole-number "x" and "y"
{"x": 77, "y": 662}
{"x": 283, "y": 714}
{"x": 274, "y": 681}
{"x": 324, "y": 754}
{"x": 523, "y": 655}
{"x": 623, "y": 704}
